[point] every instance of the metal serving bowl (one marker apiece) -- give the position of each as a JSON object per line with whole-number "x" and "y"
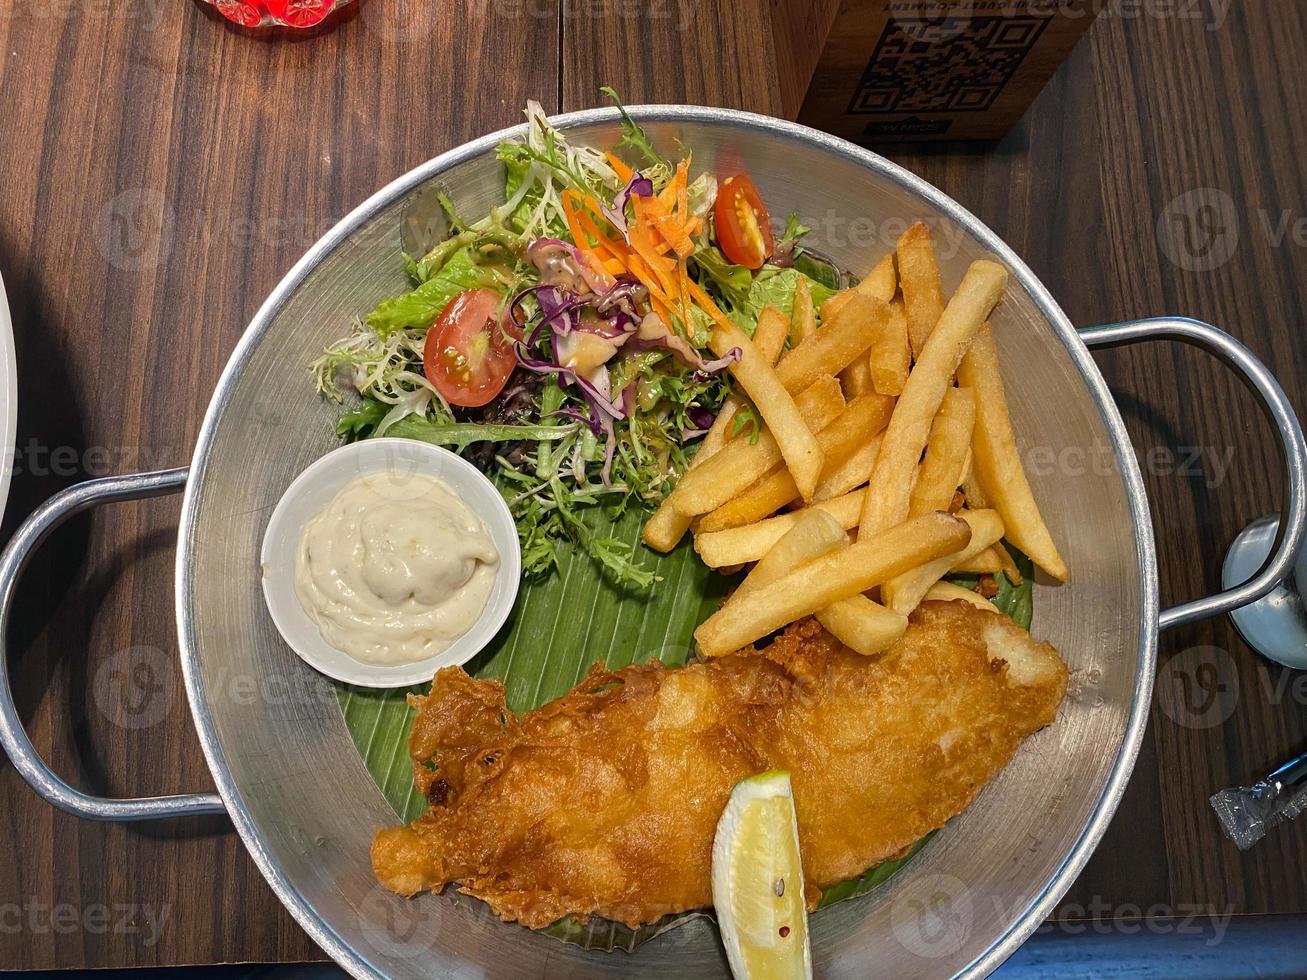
{"x": 288, "y": 773}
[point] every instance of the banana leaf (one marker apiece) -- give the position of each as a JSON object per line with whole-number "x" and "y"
{"x": 872, "y": 877}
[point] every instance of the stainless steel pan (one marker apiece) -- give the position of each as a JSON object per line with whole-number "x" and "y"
{"x": 296, "y": 789}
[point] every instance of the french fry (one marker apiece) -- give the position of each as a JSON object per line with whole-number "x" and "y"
{"x": 741, "y": 463}
{"x": 761, "y": 500}
{"x": 769, "y": 338}
{"x": 863, "y": 626}
{"x": 864, "y": 418}
{"x": 860, "y": 624}
{"x": 769, "y": 495}
{"x": 803, "y": 318}
{"x": 890, "y": 357}
{"x": 834, "y": 304}
{"x": 986, "y": 562}
{"x": 830, "y": 578}
{"x": 770, "y": 332}
{"x": 923, "y": 295}
{"x": 845, "y": 336}
{"x": 880, "y": 283}
{"x": 904, "y": 592}
{"x": 948, "y": 592}
{"x": 1009, "y": 566}
{"x": 909, "y": 427}
{"x": 940, "y": 472}
{"x": 665, "y": 527}
{"x": 996, "y": 462}
{"x": 737, "y": 545}
{"x": 851, "y": 474}
{"x": 814, "y": 534}
{"x": 774, "y": 403}
{"x": 856, "y": 378}
{"x": 970, "y": 488}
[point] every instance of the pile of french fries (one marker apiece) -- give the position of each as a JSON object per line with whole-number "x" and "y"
{"x": 882, "y": 460}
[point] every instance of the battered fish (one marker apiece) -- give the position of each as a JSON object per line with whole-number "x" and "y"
{"x": 604, "y": 802}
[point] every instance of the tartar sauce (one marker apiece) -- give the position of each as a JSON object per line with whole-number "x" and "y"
{"x": 395, "y": 569}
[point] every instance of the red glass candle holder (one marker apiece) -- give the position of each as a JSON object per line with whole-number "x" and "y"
{"x": 277, "y": 13}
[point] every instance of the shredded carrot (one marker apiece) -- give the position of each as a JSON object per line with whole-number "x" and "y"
{"x": 573, "y": 224}
{"x": 650, "y": 208}
{"x": 597, "y": 265}
{"x": 652, "y": 246}
{"x": 601, "y": 241}
{"x": 654, "y": 262}
{"x": 660, "y": 308}
{"x": 670, "y": 230}
{"x": 709, "y": 307}
{"x": 676, "y": 237}
{"x": 640, "y": 269}
{"x": 584, "y": 228}
{"x": 619, "y": 166}
{"x": 671, "y": 194}
{"x": 683, "y": 284}
{"x": 680, "y": 182}
{"x": 649, "y": 267}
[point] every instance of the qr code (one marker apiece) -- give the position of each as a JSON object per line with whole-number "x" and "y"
{"x": 944, "y": 64}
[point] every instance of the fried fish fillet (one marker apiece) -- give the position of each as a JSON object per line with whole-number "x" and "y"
{"x": 604, "y": 802}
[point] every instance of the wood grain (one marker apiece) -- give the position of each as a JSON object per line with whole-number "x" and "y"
{"x": 162, "y": 173}
{"x": 715, "y": 53}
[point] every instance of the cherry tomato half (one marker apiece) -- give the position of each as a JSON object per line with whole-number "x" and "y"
{"x": 468, "y": 356}
{"x": 743, "y": 224}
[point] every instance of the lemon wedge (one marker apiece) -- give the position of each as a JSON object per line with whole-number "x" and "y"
{"x": 757, "y": 882}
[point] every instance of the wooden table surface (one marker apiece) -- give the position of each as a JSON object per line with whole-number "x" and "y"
{"x": 161, "y": 172}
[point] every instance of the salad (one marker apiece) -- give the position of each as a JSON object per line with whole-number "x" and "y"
{"x": 561, "y": 341}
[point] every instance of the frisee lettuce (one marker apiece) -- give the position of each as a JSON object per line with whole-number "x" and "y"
{"x": 652, "y": 163}
{"x": 539, "y": 168}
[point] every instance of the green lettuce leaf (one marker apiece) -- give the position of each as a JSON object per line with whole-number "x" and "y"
{"x": 745, "y": 293}
{"x": 775, "y": 287}
{"x": 609, "y": 936}
{"x": 362, "y": 419}
{"x": 419, "y": 308}
{"x": 517, "y": 161}
{"x": 821, "y": 271}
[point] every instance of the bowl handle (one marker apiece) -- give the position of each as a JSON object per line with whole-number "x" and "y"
{"x": 1293, "y": 521}
{"x": 17, "y": 745}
